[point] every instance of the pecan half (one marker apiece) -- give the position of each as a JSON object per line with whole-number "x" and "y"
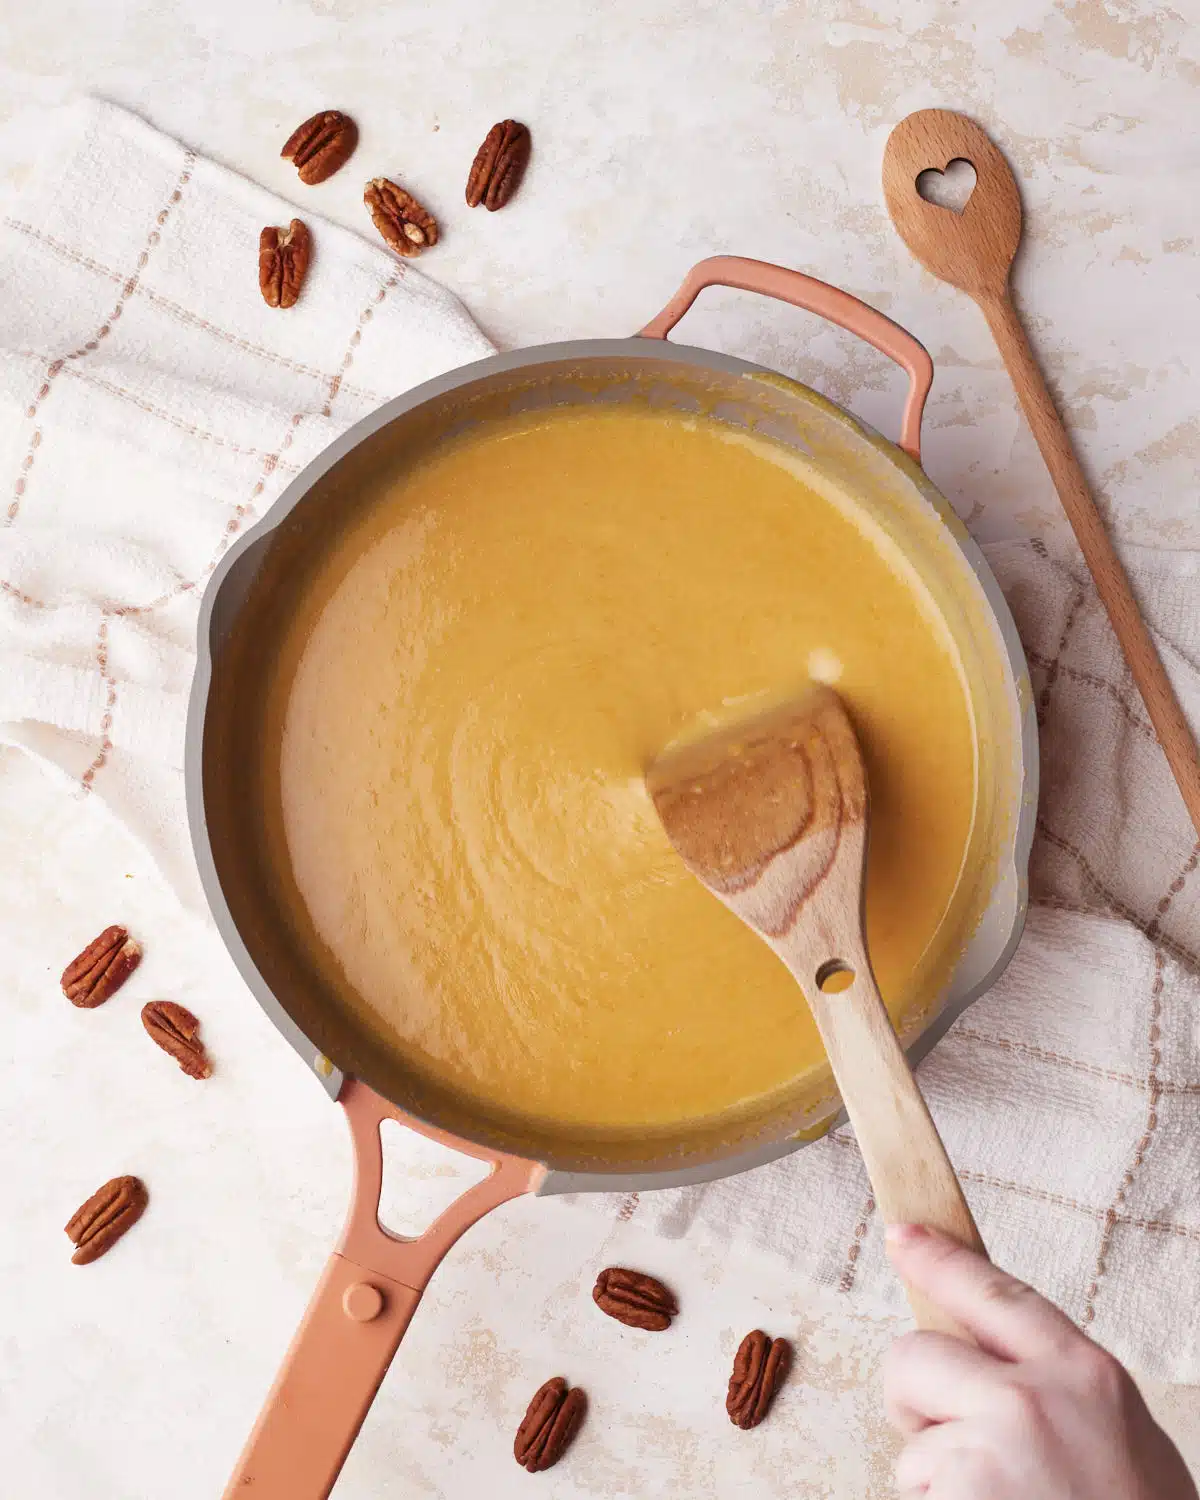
{"x": 101, "y": 969}
{"x": 177, "y": 1031}
{"x": 637, "y": 1300}
{"x": 499, "y": 165}
{"x": 401, "y": 220}
{"x": 759, "y": 1368}
{"x": 104, "y": 1218}
{"x": 283, "y": 256}
{"x": 551, "y": 1421}
{"x": 322, "y": 145}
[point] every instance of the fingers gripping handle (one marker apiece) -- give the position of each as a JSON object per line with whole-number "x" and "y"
{"x": 828, "y": 302}
{"x": 358, "y": 1314}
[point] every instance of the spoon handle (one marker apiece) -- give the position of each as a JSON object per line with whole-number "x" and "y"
{"x": 911, "y": 1175}
{"x": 1112, "y": 582}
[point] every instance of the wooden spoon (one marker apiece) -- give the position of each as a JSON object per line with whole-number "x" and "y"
{"x": 973, "y": 250}
{"x": 771, "y": 816}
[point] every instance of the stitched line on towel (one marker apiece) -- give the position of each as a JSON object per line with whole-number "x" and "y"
{"x": 1093, "y": 679}
{"x": 110, "y": 703}
{"x": 1161, "y": 1226}
{"x": 368, "y": 312}
{"x": 1110, "y": 898}
{"x": 181, "y": 314}
{"x": 1026, "y": 1190}
{"x": 1052, "y": 668}
{"x": 271, "y": 462}
{"x": 1088, "y": 1210}
{"x": 1111, "y": 1217}
{"x": 223, "y": 334}
{"x": 850, "y": 1268}
{"x": 1169, "y": 945}
{"x": 335, "y": 385}
{"x": 1060, "y": 1060}
{"x": 63, "y": 251}
{"x": 1038, "y": 545}
{"x": 247, "y": 507}
{"x": 54, "y": 368}
{"x": 165, "y": 416}
{"x": 15, "y": 593}
{"x": 985, "y": 1179}
{"x": 629, "y": 1206}
{"x": 1172, "y": 891}
{"x": 1061, "y": 1200}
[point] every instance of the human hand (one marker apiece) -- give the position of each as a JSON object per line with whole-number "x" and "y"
{"x": 1036, "y": 1412}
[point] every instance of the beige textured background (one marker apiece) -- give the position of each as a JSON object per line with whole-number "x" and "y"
{"x": 664, "y": 130}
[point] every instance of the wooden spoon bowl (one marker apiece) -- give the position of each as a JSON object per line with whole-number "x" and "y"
{"x": 972, "y": 249}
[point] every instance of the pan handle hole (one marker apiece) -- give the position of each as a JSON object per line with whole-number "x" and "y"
{"x": 421, "y": 1179}
{"x": 834, "y": 976}
{"x": 949, "y": 189}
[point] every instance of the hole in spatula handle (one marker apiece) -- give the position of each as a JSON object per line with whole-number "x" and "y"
{"x": 949, "y": 189}
{"x": 834, "y": 976}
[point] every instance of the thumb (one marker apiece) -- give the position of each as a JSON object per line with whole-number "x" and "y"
{"x": 1004, "y": 1315}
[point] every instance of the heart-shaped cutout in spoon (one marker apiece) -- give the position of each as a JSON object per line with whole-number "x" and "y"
{"x": 951, "y": 188}
{"x": 971, "y": 247}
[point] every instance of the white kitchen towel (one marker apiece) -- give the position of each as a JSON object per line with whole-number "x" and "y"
{"x": 151, "y": 407}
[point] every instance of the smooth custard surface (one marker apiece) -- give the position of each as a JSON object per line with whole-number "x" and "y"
{"x": 506, "y": 635}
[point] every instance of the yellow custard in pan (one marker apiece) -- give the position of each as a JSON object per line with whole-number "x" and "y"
{"x": 502, "y": 639}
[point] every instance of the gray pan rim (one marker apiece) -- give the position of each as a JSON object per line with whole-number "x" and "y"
{"x": 330, "y": 1076}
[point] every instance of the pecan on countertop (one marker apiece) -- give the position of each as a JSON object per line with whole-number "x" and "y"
{"x": 404, "y": 223}
{"x": 101, "y": 969}
{"x": 283, "y": 256}
{"x": 549, "y": 1424}
{"x": 177, "y": 1031}
{"x": 759, "y": 1368}
{"x": 103, "y": 1219}
{"x": 499, "y": 165}
{"x": 322, "y": 145}
{"x": 637, "y": 1300}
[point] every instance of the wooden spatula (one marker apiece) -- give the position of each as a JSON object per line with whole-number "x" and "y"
{"x": 973, "y": 249}
{"x": 771, "y": 815}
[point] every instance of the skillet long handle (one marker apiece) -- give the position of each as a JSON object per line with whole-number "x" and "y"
{"x": 337, "y": 1360}
{"x": 911, "y": 1175}
{"x": 358, "y": 1314}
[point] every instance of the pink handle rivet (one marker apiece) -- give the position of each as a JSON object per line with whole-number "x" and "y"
{"x": 362, "y": 1302}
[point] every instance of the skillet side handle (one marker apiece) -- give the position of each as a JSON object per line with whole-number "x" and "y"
{"x": 828, "y": 302}
{"x": 359, "y": 1312}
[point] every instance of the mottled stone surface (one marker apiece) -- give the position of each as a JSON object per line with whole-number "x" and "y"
{"x": 663, "y": 131}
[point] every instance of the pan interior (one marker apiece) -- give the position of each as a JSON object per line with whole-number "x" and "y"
{"x": 448, "y": 671}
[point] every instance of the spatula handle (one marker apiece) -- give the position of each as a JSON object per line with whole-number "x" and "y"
{"x": 911, "y": 1175}
{"x": 1112, "y": 582}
